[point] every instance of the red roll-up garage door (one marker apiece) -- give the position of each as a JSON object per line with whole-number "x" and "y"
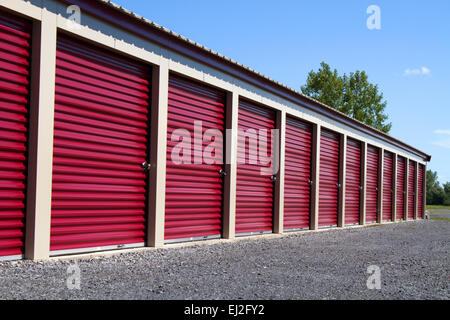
{"x": 101, "y": 140}
{"x": 401, "y": 174}
{"x": 388, "y": 181}
{"x": 254, "y": 190}
{"x": 329, "y": 179}
{"x": 353, "y": 182}
{"x": 194, "y": 187}
{"x": 297, "y": 177}
{"x": 15, "y": 39}
{"x": 372, "y": 185}
{"x": 420, "y": 195}
{"x": 411, "y": 189}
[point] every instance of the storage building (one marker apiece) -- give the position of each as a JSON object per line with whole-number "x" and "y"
{"x": 118, "y": 133}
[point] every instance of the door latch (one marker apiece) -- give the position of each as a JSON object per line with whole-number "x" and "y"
{"x": 146, "y": 166}
{"x": 273, "y": 178}
{"x": 222, "y": 173}
{"x": 310, "y": 182}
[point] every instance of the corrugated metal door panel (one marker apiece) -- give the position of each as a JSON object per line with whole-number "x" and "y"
{"x": 420, "y": 195}
{"x": 297, "y": 187}
{"x": 15, "y": 52}
{"x": 388, "y": 177}
{"x": 254, "y": 189}
{"x": 353, "y": 182}
{"x": 194, "y": 191}
{"x": 329, "y": 178}
{"x": 411, "y": 189}
{"x": 100, "y": 141}
{"x": 401, "y": 174}
{"x": 372, "y": 184}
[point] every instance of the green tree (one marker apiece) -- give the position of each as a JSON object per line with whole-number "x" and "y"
{"x": 447, "y": 188}
{"x": 435, "y": 193}
{"x": 353, "y": 95}
{"x": 447, "y": 194}
{"x": 326, "y": 86}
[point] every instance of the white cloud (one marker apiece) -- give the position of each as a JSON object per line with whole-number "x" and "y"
{"x": 443, "y": 143}
{"x": 417, "y": 72}
{"x": 439, "y": 131}
{"x": 425, "y": 70}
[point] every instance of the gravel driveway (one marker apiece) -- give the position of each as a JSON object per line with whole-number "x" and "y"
{"x": 413, "y": 258}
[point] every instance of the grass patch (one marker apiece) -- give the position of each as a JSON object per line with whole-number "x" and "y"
{"x": 435, "y": 207}
{"x": 438, "y": 212}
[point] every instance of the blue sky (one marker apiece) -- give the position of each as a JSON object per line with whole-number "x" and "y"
{"x": 409, "y": 57}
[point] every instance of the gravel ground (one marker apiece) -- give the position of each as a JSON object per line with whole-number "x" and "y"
{"x": 413, "y": 257}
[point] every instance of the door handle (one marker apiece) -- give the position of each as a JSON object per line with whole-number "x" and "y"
{"x": 146, "y": 166}
{"x": 222, "y": 173}
{"x": 273, "y": 178}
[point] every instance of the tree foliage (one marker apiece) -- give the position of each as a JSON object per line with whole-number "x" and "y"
{"x": 353, "y": 95}
{"x": 447, "y": 194}
{"x": 437, "y": 194}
